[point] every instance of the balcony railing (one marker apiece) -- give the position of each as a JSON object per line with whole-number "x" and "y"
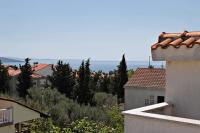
{"x": 6, "y": 116}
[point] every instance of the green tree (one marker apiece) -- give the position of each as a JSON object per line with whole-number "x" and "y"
{"x": 83, "y": 92}
{"x": 24, "y": 78}
{"x": 122, "y": 78}
{"x": 104, "y": 84}
{"x": 79, "y": 94}
{"x": 115, "y": 82}
{"x": 4, "y": 78}
{"x": 88, "y": 90}
{"x": 63, "y": 78}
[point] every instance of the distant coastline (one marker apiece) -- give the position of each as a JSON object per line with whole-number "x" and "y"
{"x": 7, "y": 60}
{"x": 104, "y": 66}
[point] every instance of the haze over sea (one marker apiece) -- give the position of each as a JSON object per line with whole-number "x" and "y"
{"x": 105, "y": 66}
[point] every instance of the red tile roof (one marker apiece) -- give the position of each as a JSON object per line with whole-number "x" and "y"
{"x": 35, "y": 76}
{"x": 13, "y": 72}
{"x": 39, "y": 67}
{"x": 176, "y": 40}
{"x": 148, "y": 78}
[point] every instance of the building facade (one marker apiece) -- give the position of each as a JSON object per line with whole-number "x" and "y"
{"x": 145, "y": 87}
{"x": 181, "y": 110}
{"x": 39, "y": 76}
{"x": 13, "y": 114}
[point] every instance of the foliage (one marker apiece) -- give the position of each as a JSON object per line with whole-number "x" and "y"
{"x": 94, "y": 82}
{"x": 150, "y": 66}
{"x": 24, "y": 78}
{"x": 83, "y": 91}
{"x": 63, "y": 78}
{"x": 104, "y": 84}
{"x": 87, "y": 126}
{"x": 4, "y": 79}
{"x": 61, "y": 109}
{"x": 121, "y": 79}
{"x": 105, "y": 100}
{"x": 116, "y": 119}
{"x": 130, "y": 73}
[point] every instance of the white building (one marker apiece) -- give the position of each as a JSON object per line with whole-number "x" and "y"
{"x": 14, "y": 113}
{"x": 181, "y": 111}
{"x": 39, "y": 76}
{"x": 145, "y": 87}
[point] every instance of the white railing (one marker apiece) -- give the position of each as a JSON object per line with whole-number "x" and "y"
{"x": 6, "y": 116}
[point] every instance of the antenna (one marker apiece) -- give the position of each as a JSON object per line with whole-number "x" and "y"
{"x": 149, "y": 61}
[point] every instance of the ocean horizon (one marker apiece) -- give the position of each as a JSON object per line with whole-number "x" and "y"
{"x": 96, "y": 65}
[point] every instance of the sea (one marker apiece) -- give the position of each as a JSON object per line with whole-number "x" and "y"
{"x": 96, "y": 65}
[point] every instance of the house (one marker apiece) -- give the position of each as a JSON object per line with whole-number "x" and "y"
{"x": 41, "y": 73}
{"x": 180, "y": 113}
{"x": 14, "y": 113}
{"x": 145, "y": 87}
{"x": 39, "y": 76}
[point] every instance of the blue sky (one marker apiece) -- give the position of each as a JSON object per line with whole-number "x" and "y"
{"x": 96, "y": 29}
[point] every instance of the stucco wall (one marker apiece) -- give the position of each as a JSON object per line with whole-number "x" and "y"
{"x": 135, "y": 97}
{"x": 7, "y": 129}
{"x": 138, "y": 124}
{"x": 20, "y": 113}
{"x": 183, "y": 88}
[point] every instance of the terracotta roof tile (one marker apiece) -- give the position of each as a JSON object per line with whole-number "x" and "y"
{"x": 188, "y": 39}
{"x": 39, "y": 67}
{"x": 13, "y": 72}
{"x": 35, "y": 76}
{"x": 148, "y": 78}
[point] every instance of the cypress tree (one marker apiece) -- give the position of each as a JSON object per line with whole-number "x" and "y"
{"x": 4, "y": 79}
{"x": 24, "y": 78}
{"x": 84, "y": 93}
{"x": 80, "y": 92}
{"x": 122, "y": 78}
{"x": 88, "y": 89}
{"x": 63, "y": 78}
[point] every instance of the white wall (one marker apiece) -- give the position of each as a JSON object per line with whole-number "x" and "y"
{"x": 45, "y": 71}
{"x": 135, "y": 97}
{"x": 183, "y": 88}
{"x": 20, "y": 113}
{"x": 7, "y": 129}
{"x": 139, "y": 124}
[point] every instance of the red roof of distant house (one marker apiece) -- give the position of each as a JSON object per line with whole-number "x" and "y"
{"x": 35, "y": 76}
{"x": 13, "y": 72}
{"x": 39, "y": 67}
{"x": 176, "y": 40}
{"x": 148, "y": 78}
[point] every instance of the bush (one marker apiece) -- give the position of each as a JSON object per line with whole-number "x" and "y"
{"x": 64, "y": 111}
{"x": 61, "y": 109}
{"x": 88, "y": 126}
{"x": 103, "y": 99}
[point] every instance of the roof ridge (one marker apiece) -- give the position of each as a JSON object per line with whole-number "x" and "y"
{"x": 173, "y": 39}
{"x": 149, "y": 68}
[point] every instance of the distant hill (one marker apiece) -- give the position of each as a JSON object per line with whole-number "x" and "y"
{"x": 6, "y": 60}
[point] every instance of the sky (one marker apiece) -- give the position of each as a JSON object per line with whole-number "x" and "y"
{"x": 96, "y": 29}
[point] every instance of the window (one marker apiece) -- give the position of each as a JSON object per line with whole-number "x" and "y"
{"x": 146, "y": 102}
{"x": 151, "y": 100}
{"x": 160, "y": 99}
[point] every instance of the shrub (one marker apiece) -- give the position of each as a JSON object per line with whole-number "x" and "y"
{"x": 61, "y": 109}
{"x": 103, "y": 99}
